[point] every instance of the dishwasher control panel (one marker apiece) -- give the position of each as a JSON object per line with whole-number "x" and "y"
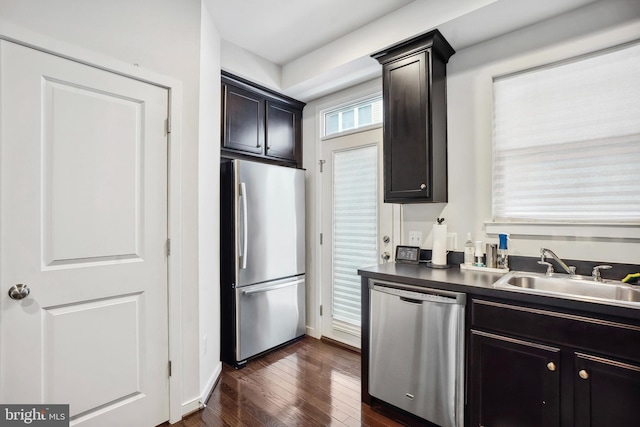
{"x": 425, "y": 294}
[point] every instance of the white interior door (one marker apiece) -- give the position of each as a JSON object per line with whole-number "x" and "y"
{"x": 83, "y": 209}
{"x": 355, "y": 222}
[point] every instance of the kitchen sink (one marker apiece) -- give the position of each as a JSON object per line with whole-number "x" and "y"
{"x": 571, "y": 287}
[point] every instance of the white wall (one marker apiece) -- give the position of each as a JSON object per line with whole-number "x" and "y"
{"x": 147, "y": 37}
{"x": 250, "y": 66}
{"x": 209, "y": 205}
{"x": 469, "y": 97}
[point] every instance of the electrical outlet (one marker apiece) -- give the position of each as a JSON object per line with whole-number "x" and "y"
{"x": 415, "y": 238}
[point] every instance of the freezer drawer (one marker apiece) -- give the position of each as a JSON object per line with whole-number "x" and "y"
{"x": 269, "y": 314}
{"x": 416, "y": 352}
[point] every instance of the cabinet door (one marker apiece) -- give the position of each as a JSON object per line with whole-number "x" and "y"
{"x": 283, "y": 123}
{"x": 243, "y": 120}
{"x": 607, "y": 392}
{"x": 407, "y": 153}
{"x": 512, "y": 382}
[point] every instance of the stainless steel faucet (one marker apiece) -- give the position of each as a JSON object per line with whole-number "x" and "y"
{"x": 544, "y": 251}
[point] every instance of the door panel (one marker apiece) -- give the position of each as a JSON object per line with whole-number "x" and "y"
{"x": 273, "y": 200}
{"x": 75, "y": 357}
{"x": 261, "y": 329}
{"x": 512, "y": 382}
{"x": 79, "y": 160}
{"x": 83, "y": 208}
{"x": 341, "y": 312}
{"x": 606, "y": 392}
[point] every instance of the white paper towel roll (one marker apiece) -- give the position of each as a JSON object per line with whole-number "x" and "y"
{"x": 439, "y": 253}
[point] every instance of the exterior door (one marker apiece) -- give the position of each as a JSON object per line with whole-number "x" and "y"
{"x": 83, "y": 208}
{"x": 355, "y": 222}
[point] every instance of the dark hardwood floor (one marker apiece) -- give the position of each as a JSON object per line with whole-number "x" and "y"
{"x": 308, "y": 383}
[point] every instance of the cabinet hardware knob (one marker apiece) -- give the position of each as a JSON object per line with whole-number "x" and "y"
{"x": 583, "y": 374}
{"x": 258, "y": 145}
{"x": 551, "y": 366}
{"x": 423, "y": 186}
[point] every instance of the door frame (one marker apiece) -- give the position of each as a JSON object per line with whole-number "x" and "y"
{"x": 315, "y": 259}
{"x": 174, "y": 194}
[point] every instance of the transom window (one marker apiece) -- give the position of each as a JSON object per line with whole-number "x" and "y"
{"x": 353, "y": 116}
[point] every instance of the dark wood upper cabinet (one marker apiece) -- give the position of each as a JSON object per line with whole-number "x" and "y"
{"x": 260, "y": 123}
{"x": 283, "y": 126}
{"x": 415, "y": 119}
{"x": 243, "y": 120}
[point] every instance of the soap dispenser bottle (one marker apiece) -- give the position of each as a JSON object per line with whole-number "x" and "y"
{"x": 503, "y": 253}
{"x": 469, "y": 250}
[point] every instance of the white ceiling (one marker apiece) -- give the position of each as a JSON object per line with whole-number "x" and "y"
{"x": 318, "y": 42}
{"x": 283, "y": 30}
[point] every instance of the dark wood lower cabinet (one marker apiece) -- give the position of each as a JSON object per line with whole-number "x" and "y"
{"x": 607, "y": 392}
{"x": 538, "y": 367}
{"x": 513, "y": 382}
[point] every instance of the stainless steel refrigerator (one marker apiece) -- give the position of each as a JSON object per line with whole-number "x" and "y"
{"x": 262, "y": 258}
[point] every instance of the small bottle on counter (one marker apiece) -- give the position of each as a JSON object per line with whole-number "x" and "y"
{"x": 503, "y": 252}
{"x": 469, "y": 250}
{"x": 479, "y": 255}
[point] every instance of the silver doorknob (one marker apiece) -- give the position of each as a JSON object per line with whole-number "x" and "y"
{"x": 19, "y": 291}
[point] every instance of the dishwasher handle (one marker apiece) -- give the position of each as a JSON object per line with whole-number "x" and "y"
{"x": 411, "y": 300}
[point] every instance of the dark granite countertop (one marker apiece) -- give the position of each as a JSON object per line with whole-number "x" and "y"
{"x": 479, "y": 283}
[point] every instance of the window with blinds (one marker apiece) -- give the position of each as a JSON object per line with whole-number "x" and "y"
{"x": 355, "y": 230}
{"x": 566, "y": 142}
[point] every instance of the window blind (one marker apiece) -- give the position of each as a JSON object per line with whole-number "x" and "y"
{"x": 566, "y": 142}
{"x": 355, "y": 230}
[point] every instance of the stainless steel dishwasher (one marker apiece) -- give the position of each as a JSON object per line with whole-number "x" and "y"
{"x": 416, "y": 359}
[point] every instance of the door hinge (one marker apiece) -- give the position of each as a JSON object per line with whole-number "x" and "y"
{"x": 320, "y": 238}
{"x": 322, "y": 162}
{"x": 321, "y": 310}
{"x": 167, "y": 125}
{"x": 168, "y": 247}
{"x": 169, "y": 367}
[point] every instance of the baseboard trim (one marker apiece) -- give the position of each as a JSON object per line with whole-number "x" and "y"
{"x": 340, "y": 344}
{"x": 312, "y": 332}
{"x": 211, "y": 385}
{"x": 190, "y": 407}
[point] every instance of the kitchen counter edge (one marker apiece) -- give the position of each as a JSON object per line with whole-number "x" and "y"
{"x": 480, "y": 284}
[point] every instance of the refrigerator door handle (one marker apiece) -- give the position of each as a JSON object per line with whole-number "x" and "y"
{"x": 272, "y": 288}
{"x": 245, "y": 231}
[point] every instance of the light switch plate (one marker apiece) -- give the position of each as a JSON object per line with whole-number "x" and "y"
{"x": 452, "y": 241}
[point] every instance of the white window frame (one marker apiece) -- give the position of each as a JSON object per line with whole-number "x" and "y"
{"x": 353, "y": 104}
{"x": 619, "y": 230}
